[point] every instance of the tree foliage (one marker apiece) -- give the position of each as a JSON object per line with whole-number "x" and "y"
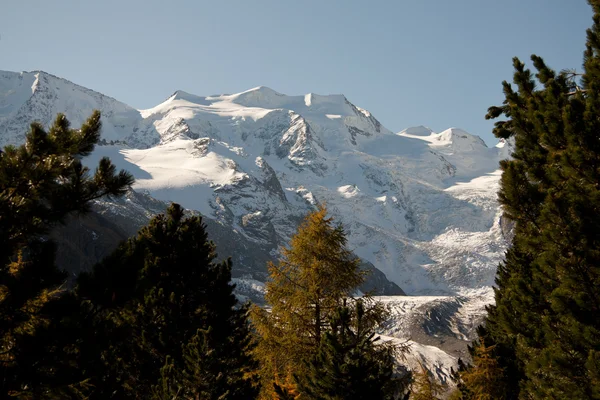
{"x": 424, "y": 386}
{"x": 545, "y": 324}
{"x": 41, "y": 183}
{"x": 173, "y": 308}
{"x": 313, "y": 277}
{"x": 351, "y": 362}
{"x": 485, "y": 380}
{"x": 311, "y": 344}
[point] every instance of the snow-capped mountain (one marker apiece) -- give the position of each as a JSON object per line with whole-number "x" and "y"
{"x": 419, "y": 205}
{"x": 38, "y": 96}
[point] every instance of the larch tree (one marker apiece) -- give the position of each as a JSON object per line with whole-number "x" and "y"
{"x": 424, "y": 386}
{"x": 306, "y": 287}
{"x": 485, "y": 380}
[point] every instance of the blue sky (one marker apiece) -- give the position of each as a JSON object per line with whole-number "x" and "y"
{"x": 438, "y": 63}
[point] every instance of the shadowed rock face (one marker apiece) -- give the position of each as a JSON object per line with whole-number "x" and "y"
{"x": 85, "y": 239}
{"x": 378, "y": 284}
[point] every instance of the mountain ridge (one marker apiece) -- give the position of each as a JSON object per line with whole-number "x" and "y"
{"x": 418, "y": 206}
{"x": 258, "y": 159}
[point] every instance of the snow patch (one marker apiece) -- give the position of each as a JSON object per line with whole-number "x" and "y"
{"x": 348, "y": 191}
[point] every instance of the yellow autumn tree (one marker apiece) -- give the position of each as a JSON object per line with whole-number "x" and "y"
{"x": 306, "y": 287}
{"x": 425, "y": 387}
{"x": 483, "y": 381}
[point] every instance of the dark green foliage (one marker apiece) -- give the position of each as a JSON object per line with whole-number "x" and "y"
{"x": 545, "y": 326}
{"x": 351, "y": 363}
{"x": 163, "y": 296}
{"x": 41, "y": 182}
{"x": 168, "y": 388}
{"x": 205, "y": 374}
{"x": 209, "y": 374}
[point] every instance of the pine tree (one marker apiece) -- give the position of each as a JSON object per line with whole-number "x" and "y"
{"x": 425, "y": 387}
{"x": 168, "y": 387}
{"x": 171, "y": 301}
{"x": 546, "y": 323}
{"x": 350, "y": 363}
{"x": 41, "y": 183}
{"x": 207, "y": 375}
{"x": 312, "y": 279}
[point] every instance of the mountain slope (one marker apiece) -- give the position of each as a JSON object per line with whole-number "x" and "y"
{"x": 418, "y": 205}
{"x": 236, "y": 160}
{"x": 39, "y": 96}
{"x": 86, "y": 239}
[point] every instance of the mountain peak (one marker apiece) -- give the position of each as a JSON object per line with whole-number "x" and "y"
{"x": 264, "y": 90}
{"x": 260, "y": 96}
{"x": 186, "y": 96}
{"x": 39, "y": 96}
{"x": 417, "y": 131}
{"x": 459, "y": 138}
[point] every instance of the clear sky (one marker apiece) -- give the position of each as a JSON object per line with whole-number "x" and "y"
{"x": 437, "y": 63}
